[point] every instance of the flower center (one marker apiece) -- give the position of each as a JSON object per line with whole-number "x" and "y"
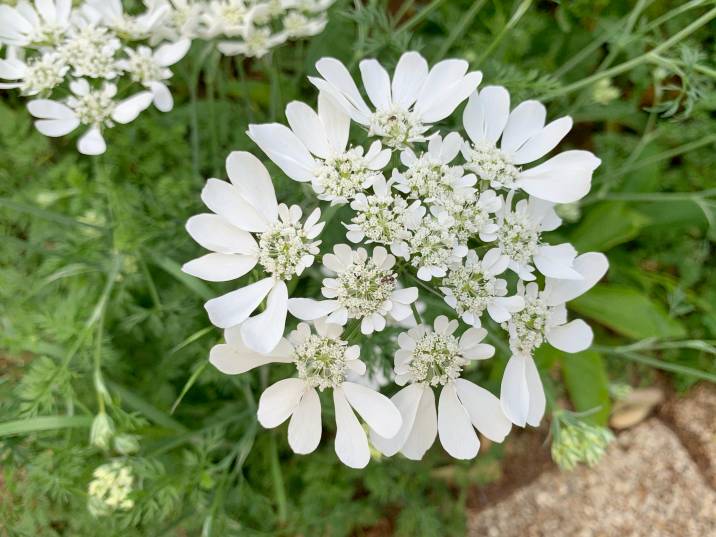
{"x": 526, "y": 327}
{"x": 432, "y": 244}
{"x": 469, "y": 218}
{"x": 47, "y": 34}
{"x": 110, "y": 488}
{"x": 43, "y": 74}
{"x": 143, "y": 68}
{"x": 283, "y": 249}
{"x": 430, "y": 180}
{"x": 472, "y": 288}
{"x": 364, "y": 288}
{"x": 321, "y": 361}
{"x": 517, "y": 237}
{"x": 233, "y": 15}
{"x": 342, "y": 176}
{"x": 256, "y": 41}
{"x": 95, "y": 108}
{"x": 382, "y": 220}
{"x": 491, "y": 164}
{"x": 436, "y": 359}
{"x": 91, "y": 53}
{"x": 397, "y": 126}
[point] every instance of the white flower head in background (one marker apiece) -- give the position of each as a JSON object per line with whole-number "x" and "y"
{"x": 429, "y": 359}
{"x": 323, "y": 360}
{"x": 544, "y": 317}
{"x": 110, "y": 489}
{"x": 365, "y": 288}
{"x": 564, "y": 178}
{"x": 91, "y": 51}
{"x": 93, "y": 108}
{"x": 405, "y": 106}
{"x": 111, "y": 14}
{"x": 316, "y": 149}
{"x": 38, "y": 76}
{"x": 282, "y": 247}
{"x": 42, "y": 23}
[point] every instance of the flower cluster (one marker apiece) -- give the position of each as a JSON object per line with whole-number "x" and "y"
{"x": 94, "y": 66}
{"x": 460, "y": 214}
{"x": 241, "y": 27}
{"x": 110, "y": 489}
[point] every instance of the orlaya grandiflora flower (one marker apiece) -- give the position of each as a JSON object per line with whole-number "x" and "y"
{"x": 473, "y": 287}
{"x": 432, "y": 245}
{"x": 519, "y": 238}
{"x": 323, "y": 360}
{"x": 564, "y": 178}
{"x": 429, "y": 176}
{"x": 365, "y": 287}
{"x": 110, "y": 13}
{"x": 315, "y": 149}
{"x": 431, "y": 358}
{"x": 384, "y": 218}
{"x": 544, "y": 317}
{"x": 43, "y": 23}
{"x": 284, "y": 249}
{"x": 407, "y": 105}
{"x": 94, "y": 108}
{"x": 37, "y": 76}
{"x": 151, "y": 69}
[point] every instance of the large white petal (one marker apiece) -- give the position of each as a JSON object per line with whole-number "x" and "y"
{"x": 12, "y": 69}
{"x": 92, "y": 142}
{"x": 440, "y": 79}
{"x": 543, "y": 141}
{"x": 283, "y": 147}
{"x": 351, "y": 442}
{"x": 161, "y": 96}
{"x": 225, "y": 199}
{"x": 486, "y": 114}
{"x": 526, "y": 120}
{"x": 407, "y": 402}
{"x": 235, "y": 307}
{"x": 336, "y": 74}
{"x": 127, "y": 110}
{"x": 455, "y": 429}
{"x": 538, "y": 402}
{"x": 376, "y": 409}
{"x": 279, "y": 401}
{"x": 452, "y": 97}
{"x": 575, "y": 336}
{"x": 484, "y": 409}
{"x": 220, "y": 267}
{"x": 214, "y": 233}
{"x": 305, "y": 123}
{"x": 592, "y": 266}
{"x": 514, "y": 392}
{"x": 336, "y": 122}
{"x": 557, "y": 261}
{"x": 252, "y": 180}
{"x": 308, "y": 309}
{"x": 171, "y": 53}
{"x": 263, "y": 332}
{"x": 234, "y": 359}
{"x": 56, "y": 127}
{"x": 408, "y": 78}
{"x": 47, "y": 109}
{"x": 425, "y": 427}
{"x": 565, "y": 178}
{"x": 304, "y": 429}
{"x": 376, "y": 82}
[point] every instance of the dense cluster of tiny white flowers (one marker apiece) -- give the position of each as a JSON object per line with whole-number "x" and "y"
{"x": 109, "y": 490}
{"x": 456, "y": 211}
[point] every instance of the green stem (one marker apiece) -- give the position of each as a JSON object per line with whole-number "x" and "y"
{"x": 422, "y": 14}
{"x": 278, "y": 484}
{"x": 516, "y": 16}
{"x": 659, "y": 364}
{"x": 459, "y": 29}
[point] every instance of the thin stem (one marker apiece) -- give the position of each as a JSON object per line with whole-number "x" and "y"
{"x": 245, "y": 86}
{"x": 422, "y": 14}
{"x": 279, "y": 489}
{"x": 425, "y": 286}
{"x": 659, "y": 364}
{"x": 516, "y": 16}
{"x": 418, "y": 317}
{"x": 459, "y": 29}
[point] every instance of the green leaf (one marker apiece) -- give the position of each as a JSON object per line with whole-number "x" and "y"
{"x": 43, "y": 423}
{"x": 628, "y": 312}
{"x": 607, "y": 225}
{"x": 587, "y": 384}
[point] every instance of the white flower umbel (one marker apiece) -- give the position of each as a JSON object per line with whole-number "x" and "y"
{"x": 322, "y": 360}
{"x": 257, "y": 42}
{"x": 43, "y": 23}
{"x": 384, "y": 217}
{"x": 284, "y": 249}
{"x": 151, "y": 69}
{"x": 431, "y": 358}
{"x": 429, "y": 176}
{"x": 544, "y": 317}
{"x": 433, "y": 247}
{"x": 473, "y": 287}
{"x": 364, "y": 288}
{"x": 564, "y": 178}
{"x": 110, "y": 489}
{"x": 519, "y": 238}
{"x": 91, "y": 52}
{"x": 407, "y": 105}
{"x": 39, "y": 76}
{"x": 472, "y": 215}
{"x": 182, "y": 20}
{"x": 110, "y": 13}
{"x": 315, "y": 149}
{"x": 94, "y": 108}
